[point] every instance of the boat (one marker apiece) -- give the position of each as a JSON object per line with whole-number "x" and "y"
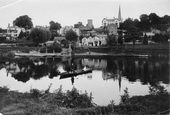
{"x": 73, "y": 74}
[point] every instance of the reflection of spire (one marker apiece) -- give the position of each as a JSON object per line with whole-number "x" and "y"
{"x": 120, "y": 79}
{"x": 72, "y": 80}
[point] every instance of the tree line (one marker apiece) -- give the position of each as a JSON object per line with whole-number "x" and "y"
{"x": 133, "y": 27}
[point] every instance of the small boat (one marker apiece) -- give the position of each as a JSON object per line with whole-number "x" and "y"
{"x": 73, "y": 74}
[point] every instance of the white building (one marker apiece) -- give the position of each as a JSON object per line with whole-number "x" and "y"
{"x": 13, "y": 32}
{"x": 94, "y": 41}
{"x": 115, "y": 21}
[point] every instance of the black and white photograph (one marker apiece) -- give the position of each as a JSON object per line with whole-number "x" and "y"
{"x": 84, "y": 57}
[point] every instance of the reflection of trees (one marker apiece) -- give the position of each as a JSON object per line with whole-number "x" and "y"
{"x": 31, "y": 69}
{"x": 53, "y": 72}
{"x": 39, "y": 71}
{"x": 39, "y": 68}
{"x": 22, "y": 76}
{"x": 146, "y": 70}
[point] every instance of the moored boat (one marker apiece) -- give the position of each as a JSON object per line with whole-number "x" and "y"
{"x": 73, "y": 74}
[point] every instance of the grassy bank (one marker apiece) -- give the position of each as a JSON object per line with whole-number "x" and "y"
{"x": 154, "y": 50}
{"x": 72, "y": 102}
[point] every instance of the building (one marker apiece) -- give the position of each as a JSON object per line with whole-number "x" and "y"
{"x": 13, "y": 32}
{"x": 94, "y": 41}
{"x": 114, "y": 21}
{"x": 77, "y": 30}
{"x": 90, "y": 36}
{"x": 65, "y": 29}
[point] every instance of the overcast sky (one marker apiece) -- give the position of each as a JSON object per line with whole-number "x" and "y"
{"x": 69, "y": 12}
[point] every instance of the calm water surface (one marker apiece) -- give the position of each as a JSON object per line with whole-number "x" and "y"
{"x": 109, "y": 78}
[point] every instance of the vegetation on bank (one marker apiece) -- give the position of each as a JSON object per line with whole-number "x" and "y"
{"x": 72, "y": 102}
{"x": 153, "y": 50}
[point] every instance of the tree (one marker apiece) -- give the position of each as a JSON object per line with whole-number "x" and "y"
{"x": 120, "y": 38}
{"x": 112, "y": 40}
{"x": 127, "y": 23}
{"x": 165, "y": 20}
{"x": 40, "y": 35}
{"x": 21, "y": 35}
{"x": 54, "y": 27}
{"x": 144, "y": 22}
{"x": 160, "y": 38}
{"x": 154, "y": 20}
{"x": 71, "y": 36}
{"x": 145, "y": 39}
{"x": 132, "y": 34}
{"x": 24, "y": 22}
{"x": 1, "y": 30}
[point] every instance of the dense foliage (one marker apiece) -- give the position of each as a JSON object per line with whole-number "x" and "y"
{"x": 147, "y": 22}
{"x": 55, "y": 48}
{"x": 156, "y": 102}
{"x": 54, "y": 27}
{"x": 72, "y": 102}
{"x": 111, "y": 40}
{"x": 145, "y": 39}
{"x": 40, "y": 35}
{"x": 23, "y": 21}
{"x": 161, "y": 38}
{"x": 71, "y": 36}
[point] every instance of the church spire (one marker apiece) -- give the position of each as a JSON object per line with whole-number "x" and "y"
{"x": 119, "y": 15}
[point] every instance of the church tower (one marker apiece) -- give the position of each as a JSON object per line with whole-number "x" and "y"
{"x": 119, "y": 15}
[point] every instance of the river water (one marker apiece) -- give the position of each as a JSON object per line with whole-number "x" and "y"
{"x": 109, "y": 78}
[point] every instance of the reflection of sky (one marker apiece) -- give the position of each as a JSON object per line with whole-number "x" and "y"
{"x": 103, "y": 91}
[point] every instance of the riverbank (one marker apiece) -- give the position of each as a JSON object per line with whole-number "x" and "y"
{"x": 151, "y": 50}
{"x": 72, "y": 102}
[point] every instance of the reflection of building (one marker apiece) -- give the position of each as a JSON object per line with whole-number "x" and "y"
{"x": 13, "y": 68}
{"x": 115, "y": 75}
{"x": 95, "y": 63}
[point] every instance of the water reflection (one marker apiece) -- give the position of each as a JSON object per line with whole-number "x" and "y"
{"x": 147, "y": 71}
{"x": 122, "y": 71}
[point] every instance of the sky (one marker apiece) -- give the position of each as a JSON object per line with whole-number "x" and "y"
{"x": 70, "y": 12}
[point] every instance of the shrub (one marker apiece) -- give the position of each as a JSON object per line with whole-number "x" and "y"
{"x": 160, "y": 38}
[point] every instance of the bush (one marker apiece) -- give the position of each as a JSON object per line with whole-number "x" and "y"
{"x": 53, "y": 48}
{"x": 160, "y": 38}
{"x": 40, "y": 35}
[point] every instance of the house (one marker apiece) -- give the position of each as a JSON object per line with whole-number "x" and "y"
{"x": 94, "y": 41}
{"x": 59, "y": 39}
{"x": 65, "y": 29}
{"x": 13, "y": 32}
{"x": 56, "y": 39}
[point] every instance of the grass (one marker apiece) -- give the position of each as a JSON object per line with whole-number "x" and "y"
{"x": 155, "y": 50}
{"x": 72, "y": 102}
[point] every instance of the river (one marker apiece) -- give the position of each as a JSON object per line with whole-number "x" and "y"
{"x": 109, "y": 78}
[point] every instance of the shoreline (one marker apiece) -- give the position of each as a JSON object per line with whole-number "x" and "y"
{"x": 151, "y": 50}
